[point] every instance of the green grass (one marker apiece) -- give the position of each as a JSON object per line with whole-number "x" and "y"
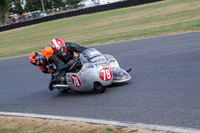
{"x": 10, "y": 130}
{"x": 34, "y": 130}
{"x": 34, "y": 125}
{"x": 155, "y": 19}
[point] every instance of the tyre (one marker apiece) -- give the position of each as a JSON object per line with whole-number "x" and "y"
{"x": 63, "y": 90}
{"x": 99, "y": 88}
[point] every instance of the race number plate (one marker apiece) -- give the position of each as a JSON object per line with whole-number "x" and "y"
{"x": 76, "y": 81}
{"x": 105, "y": 74}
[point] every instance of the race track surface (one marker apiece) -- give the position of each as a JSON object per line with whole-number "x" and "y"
{"x": 164, "y": 89}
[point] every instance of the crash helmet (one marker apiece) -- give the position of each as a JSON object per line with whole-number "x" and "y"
{"x": 37, "y": 59}
{"x": 59, "y": 47}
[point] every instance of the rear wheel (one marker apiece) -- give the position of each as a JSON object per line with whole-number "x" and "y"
{"x": 63, "y": 90}
{"x": 99, "y": 88}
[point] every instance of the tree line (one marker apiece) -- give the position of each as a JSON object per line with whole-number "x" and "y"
{"x": 4, "y": 4}
{"x": 21, "y": 6}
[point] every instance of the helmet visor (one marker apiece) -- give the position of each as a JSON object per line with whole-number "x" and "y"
{"x": 39, "y": 60}
{"x": 60, "y": 51}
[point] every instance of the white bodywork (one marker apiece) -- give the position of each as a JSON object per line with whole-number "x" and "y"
{"x": 95, "y": 67}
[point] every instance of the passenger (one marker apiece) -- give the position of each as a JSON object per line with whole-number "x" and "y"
{"x": 42, "y": 59}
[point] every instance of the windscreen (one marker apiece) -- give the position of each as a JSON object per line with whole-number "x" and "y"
{"x": 91, "y": 55}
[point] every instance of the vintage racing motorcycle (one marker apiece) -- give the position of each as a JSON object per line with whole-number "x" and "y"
{"x": 93, "y": 71}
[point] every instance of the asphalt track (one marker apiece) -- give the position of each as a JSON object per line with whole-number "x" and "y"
{"x": 164, "y": 89}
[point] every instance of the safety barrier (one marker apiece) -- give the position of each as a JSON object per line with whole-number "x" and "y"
{"x": 89, "y": 10}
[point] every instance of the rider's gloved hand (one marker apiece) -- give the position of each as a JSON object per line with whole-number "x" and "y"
{"x": 71, "y": 62}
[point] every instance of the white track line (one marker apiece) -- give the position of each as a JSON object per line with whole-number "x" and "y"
{"x": 106, "y": 122}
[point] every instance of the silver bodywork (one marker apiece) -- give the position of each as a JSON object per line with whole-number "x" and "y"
{"x": 96, "y": 67}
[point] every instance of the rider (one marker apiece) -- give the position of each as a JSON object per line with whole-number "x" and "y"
{"x": 42, "y": 59}
{"x": 63, "y": 57}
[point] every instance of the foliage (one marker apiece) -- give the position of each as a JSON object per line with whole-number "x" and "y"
{"x": 3, "y": 7}
{"x": 16, "y": 6}
{"x": 58, "y": 3}
{"x": 4, "y": 4}
{"x": 33, "y": 5}
{"x": 72, "y": 2}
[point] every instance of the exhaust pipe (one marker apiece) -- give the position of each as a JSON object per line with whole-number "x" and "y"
{"x": 60, "y": 86}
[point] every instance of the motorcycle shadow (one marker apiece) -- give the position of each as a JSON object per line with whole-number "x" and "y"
{"x": 109, "y": 89}
{"x": 74, "y": 93}
{"x": 116, "y": 85}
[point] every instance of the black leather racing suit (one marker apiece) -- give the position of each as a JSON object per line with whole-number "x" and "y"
{"x": 62, "y": 62}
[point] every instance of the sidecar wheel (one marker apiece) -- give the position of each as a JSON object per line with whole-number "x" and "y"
{"x": 99, "y": 88}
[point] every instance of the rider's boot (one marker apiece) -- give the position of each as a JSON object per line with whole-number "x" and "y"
{"x": 60, "y": 80}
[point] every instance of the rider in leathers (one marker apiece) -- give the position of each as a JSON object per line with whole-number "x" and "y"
{"x": 63, "y": 58}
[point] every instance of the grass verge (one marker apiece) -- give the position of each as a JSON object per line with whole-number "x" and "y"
{"x": 36, "y": 125}
{"x": 155, "y": 19}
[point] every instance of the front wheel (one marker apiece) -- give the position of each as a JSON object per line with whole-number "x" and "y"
{"x": 99, "y": 88}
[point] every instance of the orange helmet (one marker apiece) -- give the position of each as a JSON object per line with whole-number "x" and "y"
{"x": 37, "y": 59}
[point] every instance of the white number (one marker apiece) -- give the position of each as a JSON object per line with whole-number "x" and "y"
{"x": 106, "y": 74}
